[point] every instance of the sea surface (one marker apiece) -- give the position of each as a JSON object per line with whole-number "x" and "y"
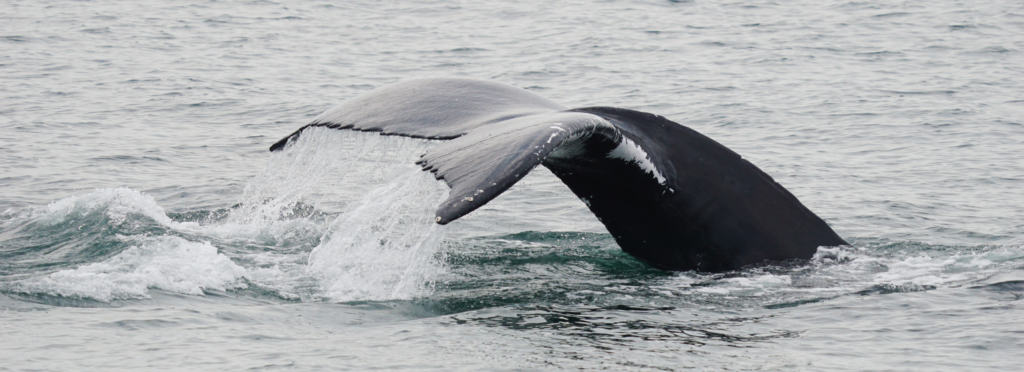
{"x": 145, "y": 226}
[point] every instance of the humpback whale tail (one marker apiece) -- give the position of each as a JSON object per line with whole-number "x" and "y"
{"x": 668, "y": 195}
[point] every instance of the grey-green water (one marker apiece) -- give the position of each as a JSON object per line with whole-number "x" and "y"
{"x": 144, "y": 225}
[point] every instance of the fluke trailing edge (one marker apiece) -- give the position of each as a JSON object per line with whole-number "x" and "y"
{"x": 668, "y": 195}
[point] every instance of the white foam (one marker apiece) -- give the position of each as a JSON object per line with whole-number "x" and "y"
{"x": 842, "y": 270}
{"x": 166, "y": 262}
{"x": 916, "y": 270}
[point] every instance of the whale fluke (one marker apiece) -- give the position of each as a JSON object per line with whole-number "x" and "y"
{"x": 668, "y": 195}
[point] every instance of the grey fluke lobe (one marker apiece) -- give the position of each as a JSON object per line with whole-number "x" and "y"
{"x": 669, "y": 196}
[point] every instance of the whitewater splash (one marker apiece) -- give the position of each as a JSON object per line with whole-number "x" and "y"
{"x": 338, "y": 217}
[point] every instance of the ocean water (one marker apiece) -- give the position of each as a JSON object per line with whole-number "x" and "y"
{"x": 145, "y": 226}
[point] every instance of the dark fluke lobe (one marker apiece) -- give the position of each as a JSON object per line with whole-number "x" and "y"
{"x": 668, "y": 195}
